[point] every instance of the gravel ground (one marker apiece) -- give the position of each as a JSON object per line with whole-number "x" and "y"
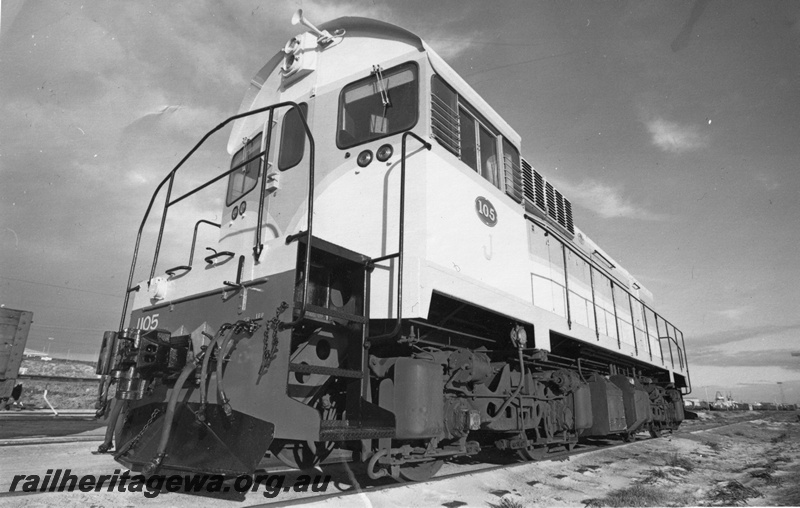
{"x": 756, "y": 463}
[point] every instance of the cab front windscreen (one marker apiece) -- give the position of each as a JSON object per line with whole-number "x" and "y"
{"x": 382, "y": 104}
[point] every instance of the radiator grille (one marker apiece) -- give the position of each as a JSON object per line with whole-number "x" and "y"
{"x": 560, "y": 208}
{"x": 513, "y": 178}
{"x": 569, "y": 224}
{"x": 540, "y": 193}
{"x": 551, "y": 201}
{"x": 444, "y": 124}
{"x": 527, "y": 180}
{"x": 538, "y": 187}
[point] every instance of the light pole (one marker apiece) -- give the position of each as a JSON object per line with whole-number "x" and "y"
{"x": 796, "y": 353}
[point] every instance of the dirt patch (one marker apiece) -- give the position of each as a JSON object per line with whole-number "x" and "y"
{"x": 753, "y": 463}
{"x": 61, "y": 394}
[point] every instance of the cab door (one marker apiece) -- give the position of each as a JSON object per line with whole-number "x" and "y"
{"x": 264, "y": 162}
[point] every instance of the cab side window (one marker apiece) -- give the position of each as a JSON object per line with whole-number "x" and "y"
{"x": 244, "y": 178}
{"x": 293, "y": 138}
{"x": 469, "y": 147}
{"x": 464, "y": 132}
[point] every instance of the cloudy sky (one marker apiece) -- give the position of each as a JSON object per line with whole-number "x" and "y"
{"x": 674, "y": 128}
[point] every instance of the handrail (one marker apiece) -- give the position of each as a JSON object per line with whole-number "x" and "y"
{"x": 686, "y": 363}
{"x": 309, "y": 224}
{"x": 401, "y": 235}
{"x": 259, "y": 247}
{"x": 194, "y": 238}
{"x": 566, "y": 244}
{"x": 188, "y": 267}
{"x": 170, "y": 178}
{"x": 217, "y": 178}
{"x": 211, "y": 257}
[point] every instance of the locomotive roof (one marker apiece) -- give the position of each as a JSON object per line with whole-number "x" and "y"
{"x": 365, "y": 27}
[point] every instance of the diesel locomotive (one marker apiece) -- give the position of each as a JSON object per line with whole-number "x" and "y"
{"x": 390, "y": 277}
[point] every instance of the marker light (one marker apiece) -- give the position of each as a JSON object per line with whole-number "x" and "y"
{"x": 364, "y": 158}
{"x": 384, "y": 153}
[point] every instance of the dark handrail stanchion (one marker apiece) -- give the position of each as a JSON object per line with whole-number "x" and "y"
{"x": 309, "y": 224}
{"x": 188, "y": 267}
{"x": 194, "y": 237}
{"x": 401, "y": 235}
{"x": 686, "y": 363}
{"x": 168, "y": 203}
{"x": 258, "y": 247}
{"x": 130, "y": 289}
{"x": 161, "y": 228}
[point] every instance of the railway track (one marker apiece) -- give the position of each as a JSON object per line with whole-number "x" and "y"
{"x": 351, "y": 478}
{"x": 494, "y": 460}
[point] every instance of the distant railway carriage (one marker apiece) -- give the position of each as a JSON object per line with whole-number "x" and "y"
{"x": 391, "y": 277}
{"x": 14, "y": 328}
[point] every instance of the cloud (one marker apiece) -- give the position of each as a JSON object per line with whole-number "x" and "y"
{"x": 675, "y": 138}
{"x": 447, "y": 42}
{"x": 449, "y": 49}
{"x": 747, "y": 383}
{"x": 605, "y": 200}
{"x": 769, "y": 182}
{"x": 763, "y": 358}
{"x": 757, "y": 346}
{"x": 318, "y": 11}
{"x": 741, "y": 334}
{"x": 734, "y": 313}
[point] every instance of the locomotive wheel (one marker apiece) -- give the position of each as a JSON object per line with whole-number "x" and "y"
{"x": 656, "y": 432}
{"x": 533, "y": 452}
{"x": 300, "y": 454}
{"x": 420, "y": 471}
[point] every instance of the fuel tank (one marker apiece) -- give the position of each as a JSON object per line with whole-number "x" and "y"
{"x": 636, "y": 401}
{"x": 608, "y": 408}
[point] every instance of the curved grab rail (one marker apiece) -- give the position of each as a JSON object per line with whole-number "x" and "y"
{"x": 188, "y": 268}
{"x": 170, "y": 178}
{"x": 175, "y": 269}
{"x": 401, "y": 234}
{"x": 210, "y": 258}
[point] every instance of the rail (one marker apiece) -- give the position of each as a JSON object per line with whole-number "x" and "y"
{"x": 660, "y": 335}
{"x": 170, "y": 179}
{"x": 401, "y": 235}
{"x": 187, "y": 268}
{"x": 38, "y": 377}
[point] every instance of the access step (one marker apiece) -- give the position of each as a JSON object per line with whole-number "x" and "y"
{"x": 304, "y": 368}
{"x": 344, "y": 430}
{"x": 336, "y": 314}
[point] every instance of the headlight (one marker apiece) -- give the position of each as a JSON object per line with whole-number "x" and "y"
{"x": 364, "y": 158}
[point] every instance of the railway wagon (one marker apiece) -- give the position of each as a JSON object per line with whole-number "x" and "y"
{"x": 390, "y": 277}
{"x": 14, "y": 328}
